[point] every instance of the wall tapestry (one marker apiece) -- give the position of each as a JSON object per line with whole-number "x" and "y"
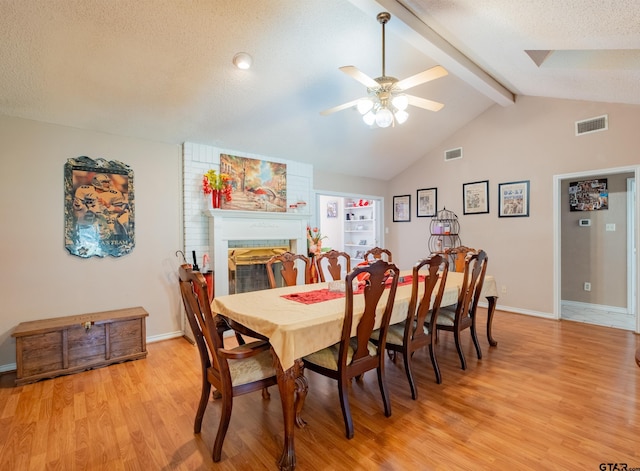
{"x": 589, "y": 195}
{"x": 98, "y": 207}
{"x": 256, "y": 185}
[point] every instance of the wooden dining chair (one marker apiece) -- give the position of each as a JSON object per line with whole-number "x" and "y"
{"x": 232, "y": 372}
{"x": 331, "y": 262}
{"x": 353, "y": 356}
{"x": 462, "y": 315}
{"x": 457, "y": 256}
{"x": 288, "y": 269}
{"x": 412, "y": 334}
{"x": 378, "y": 253}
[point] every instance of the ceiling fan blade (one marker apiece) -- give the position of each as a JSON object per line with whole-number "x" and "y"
{"x": 424, "y": 103}
{"x": 344, "y": 106}
{"x": 426, "y": 76}
{"x": 361, "y": 77}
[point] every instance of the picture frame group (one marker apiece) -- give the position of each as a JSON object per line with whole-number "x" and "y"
{"x": 513, "y": 200}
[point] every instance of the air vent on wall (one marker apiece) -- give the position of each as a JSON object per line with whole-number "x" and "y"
{"x": 453, "y": 154}
{"x": 587, "y": 126}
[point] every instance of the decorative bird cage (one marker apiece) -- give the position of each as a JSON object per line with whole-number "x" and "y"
{"x": 445, "y": 230}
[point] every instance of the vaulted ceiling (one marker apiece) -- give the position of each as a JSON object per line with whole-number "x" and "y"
{"x": 162, "y": 69}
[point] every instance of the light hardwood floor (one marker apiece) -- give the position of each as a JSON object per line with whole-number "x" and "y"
{"x": 553, "y": 395}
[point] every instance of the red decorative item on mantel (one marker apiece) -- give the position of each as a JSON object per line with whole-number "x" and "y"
{"x": 218, "y": 184}
{"x": 215, "y": 199}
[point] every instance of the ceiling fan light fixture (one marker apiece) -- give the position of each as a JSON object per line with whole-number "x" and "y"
{"x": 400, "y": 102}
{"x": 364, "y": 105}
{"x": 401, "y": 116}
{"x": 386, "y": 102}
{"x": 369, "y": 118}
{"x": 242, "y": 60}
{"x": 384, "y": 118}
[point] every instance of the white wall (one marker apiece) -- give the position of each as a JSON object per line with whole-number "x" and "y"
{"x": 531, "y": 140}
{"x": 40, "y": 279}
{"x": 325, "y": 180}
{"x": 332, "y": 227}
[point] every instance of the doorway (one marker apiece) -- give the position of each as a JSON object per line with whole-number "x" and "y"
{"x": 351, "y": 223}
{"x": 595, "y": 257}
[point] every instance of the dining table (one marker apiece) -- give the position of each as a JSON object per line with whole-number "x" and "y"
{"x": 303, "y": 319}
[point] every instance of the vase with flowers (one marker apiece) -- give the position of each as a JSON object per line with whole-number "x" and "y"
{"x": 314, "y": 241}
{"x": 218, "y": 185}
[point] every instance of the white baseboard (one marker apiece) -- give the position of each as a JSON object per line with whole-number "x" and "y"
{"x": 595, "y": 307}
{"x": 168, "y": 336}
{"x": 516, "y": 310}
{"x": 9, "y": 367}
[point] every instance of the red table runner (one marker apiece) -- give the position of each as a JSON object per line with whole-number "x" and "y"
{"x": 321, "y": 295}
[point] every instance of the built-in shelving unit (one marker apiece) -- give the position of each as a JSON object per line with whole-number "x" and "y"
{"x": 359, "y": 228}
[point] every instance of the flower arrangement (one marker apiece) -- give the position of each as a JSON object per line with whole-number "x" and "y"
{"x": 213, "y": 180}
{"x": 314, "y": 240}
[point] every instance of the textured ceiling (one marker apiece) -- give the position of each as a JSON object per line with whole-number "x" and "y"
{"x": 161, "y": 69}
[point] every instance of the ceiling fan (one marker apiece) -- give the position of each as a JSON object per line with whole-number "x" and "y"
{"x": 386, "y": 101}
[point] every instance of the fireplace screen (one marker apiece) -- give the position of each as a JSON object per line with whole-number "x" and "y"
{"x": 248, "y": 269}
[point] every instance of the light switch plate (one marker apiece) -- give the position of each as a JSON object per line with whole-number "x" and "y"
{"x": 611, "y": 227}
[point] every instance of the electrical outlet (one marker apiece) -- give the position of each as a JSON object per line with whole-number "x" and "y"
{"x": 504, "y": 289}
{"x": 587, "y": 286}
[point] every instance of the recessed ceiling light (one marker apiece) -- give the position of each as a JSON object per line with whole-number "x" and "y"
{"x": 242, "y": 60}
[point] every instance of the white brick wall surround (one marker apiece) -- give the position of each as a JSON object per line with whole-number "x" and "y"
{"x": 198, "y": 159}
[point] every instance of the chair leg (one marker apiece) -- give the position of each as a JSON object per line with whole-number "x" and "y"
{"x": 434, "y": 362}
{"x": 343, "y": 392}
{"x": 383, "y": 390}
{"x": 240, "y": 339}
{"x": 474, "y": 336}
{"x": 202, "y": 405}
{"x": 392, "y": 355}
{"x": 463, "y": 363}
{"x": 225, "y": 418}
{"x": 407, "y": 369}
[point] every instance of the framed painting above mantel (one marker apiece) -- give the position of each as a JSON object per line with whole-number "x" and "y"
{"x": 256, "y": 185}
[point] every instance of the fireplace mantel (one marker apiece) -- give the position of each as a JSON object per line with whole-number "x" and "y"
{"x": 226, "y": 225}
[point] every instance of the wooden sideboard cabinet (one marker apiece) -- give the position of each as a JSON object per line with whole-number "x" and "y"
{"x": 58, "y": 346}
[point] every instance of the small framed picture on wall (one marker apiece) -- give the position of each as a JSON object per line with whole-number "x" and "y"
{"x": 475, "y": 197}
{"x": 427, "y": 204}
{"x": 514, "y": 199}
{"x": 402, "y": 208}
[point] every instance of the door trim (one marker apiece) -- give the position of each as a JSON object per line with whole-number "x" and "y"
{"x": 631, "y": 247}
{"x": 557, "y": 256}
